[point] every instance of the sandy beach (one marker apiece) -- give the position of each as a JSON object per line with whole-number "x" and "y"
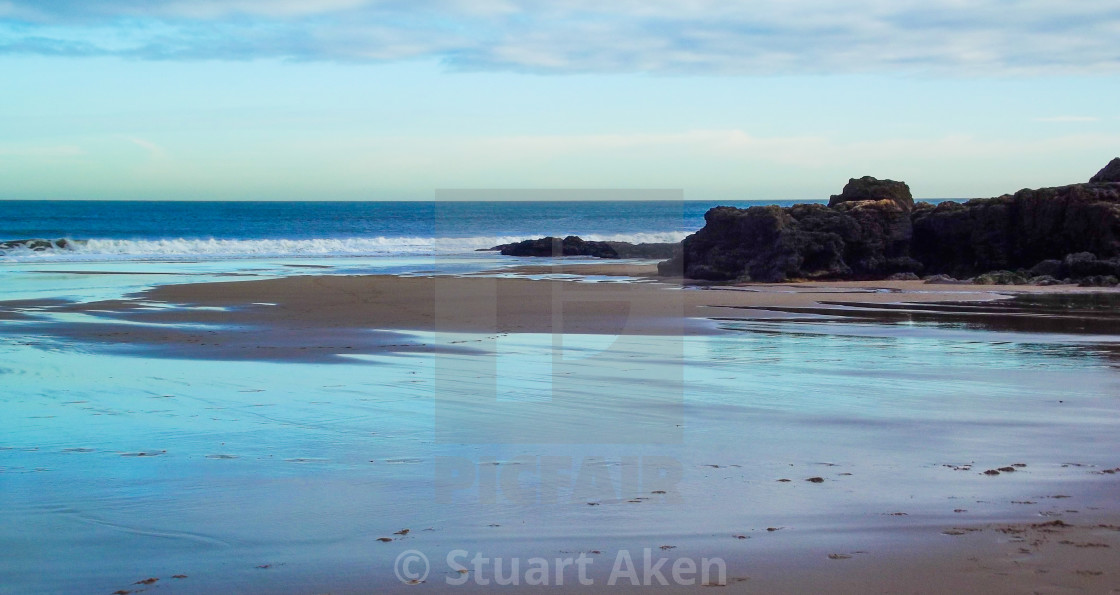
{"x": 316, "y": 317}
{"x": 1030, "y": 538}
{"x": 512, "y": 303}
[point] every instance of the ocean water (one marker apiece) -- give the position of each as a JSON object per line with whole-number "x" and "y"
{"x": 226, "y": 230}
{"x": 252, "y": 476}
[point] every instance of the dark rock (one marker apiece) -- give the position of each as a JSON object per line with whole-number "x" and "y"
{"x": 884, "y": 236}
{"x": 550, "y": 246}
{"x": 1099, "y": 281}
{"x": 37, "y": 245}
{"x": 1108, "y": 174}
{"x": 866, "y": 239}
{"x": 1043, "y": 280}
{"x": 1017, "y": 231}
{"x": 873, "y": 230}
{"x": 902, "y": 264}
{"x": 1001, "y": 278}
{"x": 576, "y": 246}
{"x": 1050, "y": 267}
{"x": 903, "y": 277}
{"x": 868, "y": 188}
{"x": 1080, "y": 262}
{"x": 752, "y": 244}
{"x": 942, "y": 239}
{"x": 945, "y": 280}
{"x": 1086, "y": 264}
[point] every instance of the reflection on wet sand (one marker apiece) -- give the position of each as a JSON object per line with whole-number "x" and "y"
{"x": 820, "y": 446}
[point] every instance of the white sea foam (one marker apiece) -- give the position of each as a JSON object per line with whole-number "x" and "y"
{"x": 95, "y": 250}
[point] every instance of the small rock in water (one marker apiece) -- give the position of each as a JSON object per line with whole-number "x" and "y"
{"x": 816, "y": 479}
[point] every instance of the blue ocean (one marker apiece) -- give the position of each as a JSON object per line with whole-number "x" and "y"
{"x": 230, "y": 230}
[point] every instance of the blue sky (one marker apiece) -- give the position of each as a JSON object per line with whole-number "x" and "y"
{"x": 359, "y": 99}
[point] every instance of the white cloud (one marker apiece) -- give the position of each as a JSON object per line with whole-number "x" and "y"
{"x": 154, "y": 151}
{"x": 211, "y": 9}
{"x": 663, "y": 36}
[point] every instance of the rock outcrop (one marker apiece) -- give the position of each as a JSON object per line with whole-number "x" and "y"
{"x": 868, "y": 188}
{"x": 864, "y": 233}
{"x": 576, "y": 246}
{"x": 1108, "y": 174}
{"x": 1019, "y": 230}
{"x": 873, "y": 230}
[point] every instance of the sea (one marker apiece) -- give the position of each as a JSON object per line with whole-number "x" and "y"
{"x": 149, "y": 231}
{"x": 780, "y": 444}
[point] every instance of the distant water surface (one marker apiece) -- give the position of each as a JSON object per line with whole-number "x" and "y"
{"x": 221, "y": 230}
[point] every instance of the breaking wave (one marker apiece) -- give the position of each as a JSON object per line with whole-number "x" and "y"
{"x": 93, "y": 250}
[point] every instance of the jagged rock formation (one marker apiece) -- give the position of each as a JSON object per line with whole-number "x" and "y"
{"x": 864, "y": 233}
{"x": 575, "y": 246}
{"x": 1018, "y": 230}
{"x": 1108, "y": 174}
{"x": 873, "y": 230}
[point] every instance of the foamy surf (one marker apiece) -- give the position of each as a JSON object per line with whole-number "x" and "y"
{"x": 179, "y": 249}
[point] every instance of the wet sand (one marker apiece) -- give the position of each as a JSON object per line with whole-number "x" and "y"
{"x": 488, "y": 304}
{"x": 1038, "y": 556}
{"x": 316, "y": 318}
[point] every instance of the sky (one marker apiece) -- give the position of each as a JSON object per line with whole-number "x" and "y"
{"x": 392, "y": 100}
